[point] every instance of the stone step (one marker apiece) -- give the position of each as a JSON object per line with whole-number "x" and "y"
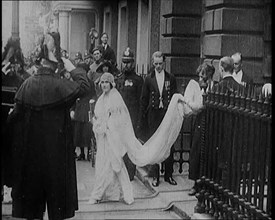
{"x": 136, "y": 214}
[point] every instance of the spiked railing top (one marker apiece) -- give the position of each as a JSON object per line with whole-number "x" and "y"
{"x": 254, "y": 101}
{"x": 259, "y": 105}
{"x": 242, "y": 99}
{"x": 221, "y": 96}
{"x": 226, "y": 98}
{"x": 216, "y": 95}
{"x": 231, "y": 99}
{"x": 211, "y": 96}
{"x": 248, "y": 100}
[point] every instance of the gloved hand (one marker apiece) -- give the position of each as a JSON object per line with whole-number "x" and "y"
{"x": 267, "y": 89}
{"x": 72, "y": 114}
{"x": 4, "y": 68}
{"x": 68, "y": 64}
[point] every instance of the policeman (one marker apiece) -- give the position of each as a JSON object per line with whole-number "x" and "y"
{"x": 78, "y": 58}
{"x": 78, "y": 61}
{"x": 130, "y": 86}
{"x": 88, "y": 58}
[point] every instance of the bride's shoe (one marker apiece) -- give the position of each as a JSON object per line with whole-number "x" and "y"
{"x": 129, "y": 201}
{"x": 92, "y": 201}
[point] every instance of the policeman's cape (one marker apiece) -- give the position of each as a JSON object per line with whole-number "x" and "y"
{"x": 118, "y": 130}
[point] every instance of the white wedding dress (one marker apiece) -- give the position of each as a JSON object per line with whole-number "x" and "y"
{"x": 115, "y": 136}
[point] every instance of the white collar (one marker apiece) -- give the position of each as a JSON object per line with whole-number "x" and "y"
{"x": 227, "y": 75}
{"x": 159, "y": 74}
{"x": 238, "y": 76}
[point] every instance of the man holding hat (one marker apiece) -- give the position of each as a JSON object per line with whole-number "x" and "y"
{"x": 130, "y": 85}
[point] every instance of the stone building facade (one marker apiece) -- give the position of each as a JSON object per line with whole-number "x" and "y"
{"x": 188, "y": 32}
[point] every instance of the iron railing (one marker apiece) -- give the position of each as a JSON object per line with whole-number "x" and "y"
{"x": 235, "y": 166}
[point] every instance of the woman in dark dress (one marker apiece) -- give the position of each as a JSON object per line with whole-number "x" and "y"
{"x": 83, "y": 132}
{"x": 205, "y": 72}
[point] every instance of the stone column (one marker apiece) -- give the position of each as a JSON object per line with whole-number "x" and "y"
{"x": 180, "y": 31}
{"x": 63, "y": 27}
{"x": 154, "y": 26}
{"x": 55, "y": 22}
{"x": 15, "y": 20}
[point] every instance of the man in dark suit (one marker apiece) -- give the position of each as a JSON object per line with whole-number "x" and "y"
{"x": 107, "y": 52}
{"x": 228, "y": 82}
{"x": 157, "y": 91}
{"x": 240, "y": 76}
{"x": 227, "y": 85}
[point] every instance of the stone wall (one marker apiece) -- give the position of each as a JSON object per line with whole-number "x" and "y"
{"x": 231, "y": 26}
{"x": 180, "y": 31}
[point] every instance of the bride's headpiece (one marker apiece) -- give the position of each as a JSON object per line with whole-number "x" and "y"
{"x": 109, "y": 78}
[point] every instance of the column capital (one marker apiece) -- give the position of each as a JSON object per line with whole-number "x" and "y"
{"x": 63, "y": 13}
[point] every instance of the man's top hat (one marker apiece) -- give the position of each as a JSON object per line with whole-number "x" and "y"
{"x": 128, "y": 55}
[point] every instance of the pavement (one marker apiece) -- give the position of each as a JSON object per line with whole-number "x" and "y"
{"x": 162, "y": 202}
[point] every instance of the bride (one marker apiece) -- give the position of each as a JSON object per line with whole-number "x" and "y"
{"x": 115, "y": 136}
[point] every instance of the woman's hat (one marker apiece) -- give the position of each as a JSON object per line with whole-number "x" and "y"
{"x": 105, "y": 63}
{"x": 108, "y": 77}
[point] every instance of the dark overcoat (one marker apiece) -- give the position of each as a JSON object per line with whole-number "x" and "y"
{"x": 10, "y": 83}
{"x": 108, "y": 54}
{"x": 247, "y": 79}
{"x": 82, "y": 127}
{"x": 44, "y": 163}
{"x": 227, "y": 85}
{"x": 130, "y": 90}
{"x": 195, "y": 151}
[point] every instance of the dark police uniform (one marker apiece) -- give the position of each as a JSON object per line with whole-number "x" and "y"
{"x": 129, "y": 84}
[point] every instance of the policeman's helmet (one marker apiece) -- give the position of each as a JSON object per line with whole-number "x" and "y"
{"x": 78, "y": 55}
{"x": 86, "y": 55}
{"x": 128, "y": 56}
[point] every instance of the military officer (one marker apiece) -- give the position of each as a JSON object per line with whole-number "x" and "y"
{"x": 129, "y": 86}
{"x": 158, "y": 89}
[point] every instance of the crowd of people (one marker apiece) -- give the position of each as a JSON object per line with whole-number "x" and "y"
{"x": 50, "y": 120}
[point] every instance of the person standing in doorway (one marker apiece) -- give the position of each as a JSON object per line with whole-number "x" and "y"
{"x": 107, "y": 52}
{"x": 157, "y": 91}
